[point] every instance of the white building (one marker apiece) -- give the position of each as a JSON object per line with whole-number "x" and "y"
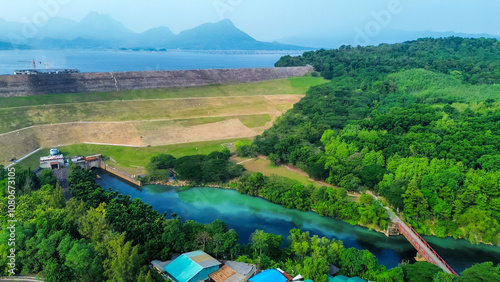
{"x": 55, "y": 160}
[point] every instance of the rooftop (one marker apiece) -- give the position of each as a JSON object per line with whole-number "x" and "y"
{"x": 188, "y": 265}
{"x": 233, "y": 271}
{"x": 160, "y": 265}
{"x": 269, "y": 275}
{"x": 223, "y": 274}
{"x": 342, "y": 278}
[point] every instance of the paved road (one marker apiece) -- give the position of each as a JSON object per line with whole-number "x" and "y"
{"x": 415, "y": 238}
{"x": 19, "y": 278}
{"x": 23, "y": 158}
{"x": 62, "y": 176}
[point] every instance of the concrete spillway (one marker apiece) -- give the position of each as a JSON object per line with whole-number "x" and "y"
{"x": 40, "y": 84}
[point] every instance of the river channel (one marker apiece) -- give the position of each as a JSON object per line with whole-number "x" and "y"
{"x": 245, "y": 214}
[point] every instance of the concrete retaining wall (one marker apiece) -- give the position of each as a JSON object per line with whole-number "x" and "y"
{"x": 120, "y": 174}
{"x": 27, "y": 85}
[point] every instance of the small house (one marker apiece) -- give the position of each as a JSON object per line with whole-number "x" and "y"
{"x": 192, "y": 267}
{"x": 271, "y": 275}
{"x": 342, "y": 278}
{"x": 233, "y": 271}
{"x": 55, "y": 160}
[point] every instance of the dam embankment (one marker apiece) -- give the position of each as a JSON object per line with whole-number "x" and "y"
{"x": 41, "y": 84}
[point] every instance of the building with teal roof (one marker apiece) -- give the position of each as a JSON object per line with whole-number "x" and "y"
{"x": 342, "y": 278}
{"x": 270, "y": 275}
{"x": 192, "y": 267}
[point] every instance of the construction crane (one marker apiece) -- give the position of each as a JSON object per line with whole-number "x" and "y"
{"x": 35, "y": 62}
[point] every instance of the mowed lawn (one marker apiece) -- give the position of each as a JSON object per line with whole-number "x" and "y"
{"x": 289, "y": 86}
{"x": 132, "y": 160}
{"x": 257, "y": 104}
{"x": 17, "y": 118}
{"x": 267, "y": 168}
{"x": 274, "y": 96}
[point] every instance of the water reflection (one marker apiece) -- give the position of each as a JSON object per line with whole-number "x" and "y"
{"x": 245, "y": 214}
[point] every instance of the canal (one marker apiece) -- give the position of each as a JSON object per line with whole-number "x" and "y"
{"x": 245, "y": 214}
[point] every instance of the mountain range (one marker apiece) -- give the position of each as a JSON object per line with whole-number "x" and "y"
{"x": 98, "y": 31}
{"x": 356, "y": 37}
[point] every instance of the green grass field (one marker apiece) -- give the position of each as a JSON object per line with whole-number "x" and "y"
{"x": 295, "y": 85}
{"x": 17, "y": 118}
{"x": 173, "y": 103}
{"x": 33, "y": 161}
{"x": 131, "y": 159}
{"x": 252, "y": 121}
{"x": 185, "y": 106}
{"x": 267, "y": 168}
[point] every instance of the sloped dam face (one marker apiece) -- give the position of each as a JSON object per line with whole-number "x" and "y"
{"x": 40, "y": 84}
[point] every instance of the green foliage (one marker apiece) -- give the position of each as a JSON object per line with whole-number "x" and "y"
{"x": 280, "y": 190}
{"x": 425, "y": 157}
{"x": 26, "y": 181}
{"x": 3, "y": 172}
{"x": 246, "y": 150}
{"x": 124, "y": 260}
{"x": 47, "y": 177}
{"x": 113, "y": 239}
{"x": 212, "y": 168}
{"x": 489, "y": 162}
{"x": 485, "y": 271}
{"x": 57, "y": 199}
{"x": 420, "y": 271}
{"x": 266, "y": 244}
{"x": 358, "y": 263}
{"x": 470, "y": 60}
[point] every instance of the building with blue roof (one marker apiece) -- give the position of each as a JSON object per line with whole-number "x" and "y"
{"x": 270, "y": 275}
{"x": 342, "y": 278}
{"x": 192, "y": 267}
{"x": 356, "y": 279}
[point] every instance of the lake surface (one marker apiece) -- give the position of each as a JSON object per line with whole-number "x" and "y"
{"x": 107, "y": 61}
{"x": 245, "y": 214}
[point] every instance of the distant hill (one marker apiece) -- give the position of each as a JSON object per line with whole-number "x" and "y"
{"x": 102, "y": 31}
{"x": 99, "y": 26}
{"x": 389, "y": 36}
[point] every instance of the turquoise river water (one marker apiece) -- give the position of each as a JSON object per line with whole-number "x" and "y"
{"x": 245, "y": 214}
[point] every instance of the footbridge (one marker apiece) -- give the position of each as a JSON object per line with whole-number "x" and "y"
{"x": 424, "y": 250}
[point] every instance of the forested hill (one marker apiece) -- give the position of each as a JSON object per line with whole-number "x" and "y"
{"x": 473, "y": 60}
{"x": 417, "y": 122}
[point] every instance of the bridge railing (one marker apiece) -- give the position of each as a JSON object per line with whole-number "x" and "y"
{"x": 431, "y": 249}
{"x": 414, "y": 243}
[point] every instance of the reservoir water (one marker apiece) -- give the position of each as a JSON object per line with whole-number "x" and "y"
{"x": 245, "y": 214}
{"x": 115, "y": 61}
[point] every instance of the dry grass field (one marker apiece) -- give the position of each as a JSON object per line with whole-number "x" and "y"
{"x": 153, "y": 118}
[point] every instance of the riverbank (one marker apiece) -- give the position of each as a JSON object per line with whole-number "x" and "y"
{"x": 245, "y": 214}
{"x": 186, "y": 185}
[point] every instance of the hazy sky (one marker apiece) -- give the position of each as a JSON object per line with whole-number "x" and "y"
{"x": 274, "y": 19}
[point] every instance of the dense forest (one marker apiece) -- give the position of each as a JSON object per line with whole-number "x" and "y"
{"x": 100, "y": 235}
{"x": 327, "y": 201}
{"x": 216, "y": 169}
{"x": 197, "y": 169}
{"x": 417, "y": 122}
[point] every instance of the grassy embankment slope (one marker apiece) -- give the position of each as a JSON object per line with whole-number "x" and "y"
{"x": 169, "y": 120}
